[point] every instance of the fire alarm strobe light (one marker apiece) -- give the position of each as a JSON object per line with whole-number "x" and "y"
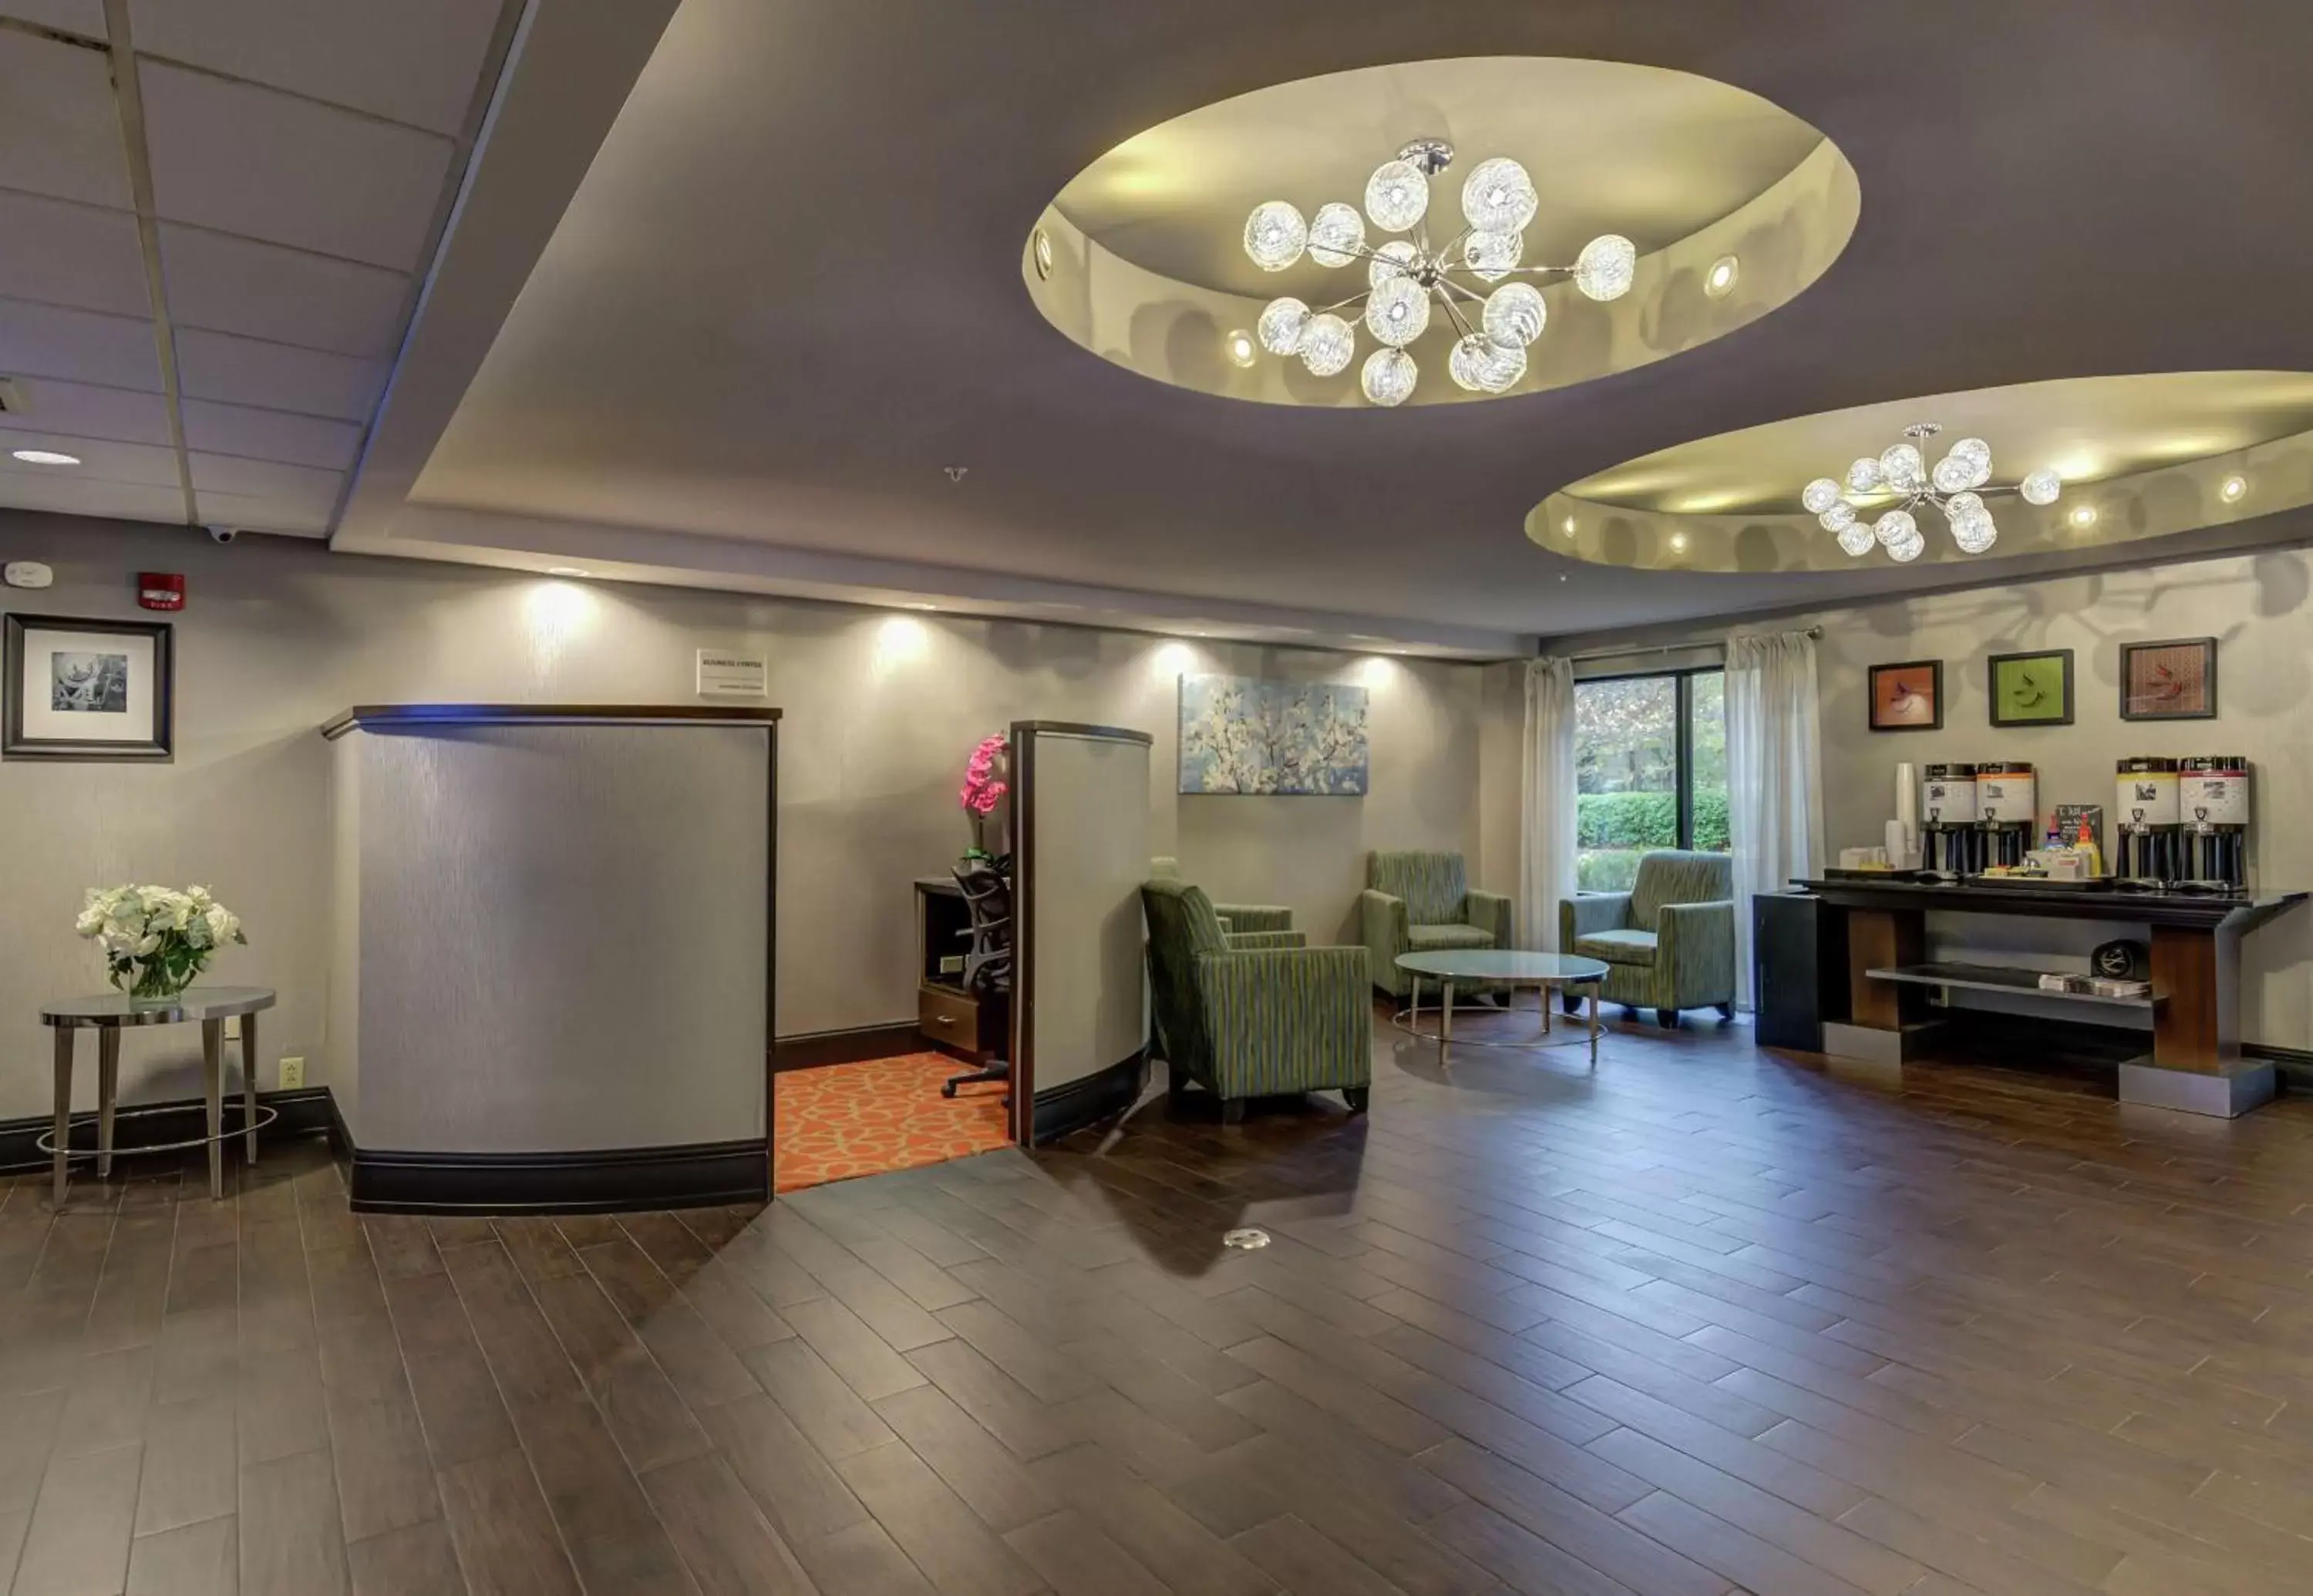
{"x": 160, "y": 590}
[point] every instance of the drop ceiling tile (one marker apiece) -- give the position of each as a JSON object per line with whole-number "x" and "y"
{"x": 40, "y": 340}
{"x": 270, "y": 434}
{"x": 123, "y": 501}
{"x": 59, "y": 133}
{"x": 296, "y": 486}
{"x": 262, "y": 515}
{"x": 85, "y": 410}
{"x": 276, "y": 377}
{"x": 84, "y": 17}
{"x": 238, "y": 285}
{"x": 413, "y": 60}
{"x": 62, "y": 253}
{"x": 100, "y": 459}
{"x": 244, "y": 159}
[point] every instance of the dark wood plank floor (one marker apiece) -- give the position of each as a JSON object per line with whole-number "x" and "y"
{"x": 1704, "y": 1320}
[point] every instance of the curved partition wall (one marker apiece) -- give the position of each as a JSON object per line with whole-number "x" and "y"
{"x": 1080, "y": 849}
{"x": 552, "y": 980}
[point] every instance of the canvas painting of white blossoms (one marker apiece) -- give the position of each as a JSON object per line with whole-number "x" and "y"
{"x": 1242, "y": 735}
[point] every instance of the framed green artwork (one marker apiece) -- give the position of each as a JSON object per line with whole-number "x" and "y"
{"x": 2032, "y": 689}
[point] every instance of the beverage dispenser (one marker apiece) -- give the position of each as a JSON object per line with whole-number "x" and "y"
{"x": 2212, "y": 803}
{"x": 2007, "y": 802}
{"x": 2145, "y": 814}
{"x": 1950, "y": 842}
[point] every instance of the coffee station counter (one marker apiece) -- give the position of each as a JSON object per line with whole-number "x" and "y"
{"x": 2196, "y": 1062}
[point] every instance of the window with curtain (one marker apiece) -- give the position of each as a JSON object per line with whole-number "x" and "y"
{"x": 1651, "y": 771}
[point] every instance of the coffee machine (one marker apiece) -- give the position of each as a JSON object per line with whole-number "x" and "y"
{"x": 2212, "y": 828}
{"x": 1950, "y": 843}
{"x": 2006, "y": 804}
{"x": 2146, "y": 813}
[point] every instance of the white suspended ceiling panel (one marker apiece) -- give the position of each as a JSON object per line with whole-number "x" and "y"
{"x": 299, "y": 157}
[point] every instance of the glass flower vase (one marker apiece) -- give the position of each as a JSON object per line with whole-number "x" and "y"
{"x": 156, "y": 983}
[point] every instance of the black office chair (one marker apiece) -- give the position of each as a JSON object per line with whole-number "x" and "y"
{"x": 987, "y": 888}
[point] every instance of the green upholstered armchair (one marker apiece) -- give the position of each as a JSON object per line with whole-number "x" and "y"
{"x": 1668, "y": 943}
{"x": 1235, "y": 917}
{"x": 1244, "y": 1017}
{"x": 1419, "y": 902}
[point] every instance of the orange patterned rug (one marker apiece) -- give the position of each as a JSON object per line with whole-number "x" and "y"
{"x": 845, "y": 1120}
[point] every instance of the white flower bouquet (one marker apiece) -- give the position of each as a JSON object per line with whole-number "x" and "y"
{"x": 156, "y": 940}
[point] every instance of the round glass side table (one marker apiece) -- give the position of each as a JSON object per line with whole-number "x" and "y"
{"x": 107, "y": 1016}
{"x": 1495, "y": 966}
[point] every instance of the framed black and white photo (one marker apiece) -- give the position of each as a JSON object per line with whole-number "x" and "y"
{"x": 86, "y": 689}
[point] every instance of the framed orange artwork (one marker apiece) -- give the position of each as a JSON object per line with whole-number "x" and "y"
{"x": 1908, "y": 697}
{"x": 2175, "y": 680}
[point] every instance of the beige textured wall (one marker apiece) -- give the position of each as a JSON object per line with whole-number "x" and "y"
{"x": 2257, "y": 606}
{"x": 882, "y": 709}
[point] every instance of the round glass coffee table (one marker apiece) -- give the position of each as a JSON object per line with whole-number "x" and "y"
{"x": 1495, "y": 966}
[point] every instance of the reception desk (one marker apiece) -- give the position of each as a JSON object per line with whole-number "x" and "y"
{"x": 551, "y": 984}
{"x": 2195, "y": 1061}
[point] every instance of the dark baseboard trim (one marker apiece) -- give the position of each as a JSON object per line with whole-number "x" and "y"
{"x": 2293, "y": 1065}
{"x": 812, "y": 1050}
{"x": 307, "y": 1111}
{"x": 1089, "y": 1099}
{"x": 611, "y": 1180}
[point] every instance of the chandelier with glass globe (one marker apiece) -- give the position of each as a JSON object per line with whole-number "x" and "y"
{"x": 1475, "y": 276}
{"x": 1956, "y": 489}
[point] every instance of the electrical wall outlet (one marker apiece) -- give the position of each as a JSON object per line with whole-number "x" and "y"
{"x": 292, "y": 1075}
{"x": 233, "y": 1027}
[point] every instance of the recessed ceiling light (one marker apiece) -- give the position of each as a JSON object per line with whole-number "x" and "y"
{"x": 1570, "y": 524}
{"x": 45, "y": 457}
{"x": 567, "y": 570}
{"x": 1040, "y": 250}
{"x": 1719, "y": 281}
{"x": 1240, "y": 347}
{"x": 1678, "y": 543}
{"x": 2084, "y": 514}
{"x": 2233, "y": 489}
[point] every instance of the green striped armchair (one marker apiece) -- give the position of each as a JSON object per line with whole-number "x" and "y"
{"x": 1235, "y": 917}
{"x": 1421, "y": 903}
{"x": 1253, "y": 1014}
{"x": 1668, "y": 943}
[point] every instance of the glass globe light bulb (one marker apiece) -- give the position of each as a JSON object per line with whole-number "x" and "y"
{"x": 1977, "y": 454}
{"x": 1398, "y": 195}
{"x": 1952, "y": 474}
{"x": 1893, "y": 527}
{"x": 1388, "y": 376}
{"x": 1909, "y": 549}
{"x": 1275, "y": 235}
{"x": 1490, "y": 257}
{"x": 1327, "y": 343}
{"x": 1903, "y": 470}
{"x": 1839, "y": 517}
{"x": 1515, "y": 313}
{"x": 2042, "y": 487}
{"x": 1281, "y": 324}
{"x": 1855, "y": 537}
{"x": 1863, "y": 476}
{"x": 1606, "y": 267}
{"x": 1395, "y": 259}
{"x": 1481, "y": 366}
{"x": 1398, "y": 311}
{"x": 1975, "y": 533}
{"x": 1498, "y": 196}
{"x": 1336, "y": 234}
{"x": 1819, "y": 494}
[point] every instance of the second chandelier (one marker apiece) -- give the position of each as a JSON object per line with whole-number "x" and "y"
{"x": 1494, "y": 315}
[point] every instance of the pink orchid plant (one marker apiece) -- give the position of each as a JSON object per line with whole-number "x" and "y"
{"x": 983, "y": 788}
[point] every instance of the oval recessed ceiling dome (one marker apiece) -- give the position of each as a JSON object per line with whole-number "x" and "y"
{"x": 1143, "y": 258}
{"x": 2139, "y": 457}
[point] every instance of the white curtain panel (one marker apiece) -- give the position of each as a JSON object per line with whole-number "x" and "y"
{"x": 1774, "y": 773}
{"x": 1546, "y": 806}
